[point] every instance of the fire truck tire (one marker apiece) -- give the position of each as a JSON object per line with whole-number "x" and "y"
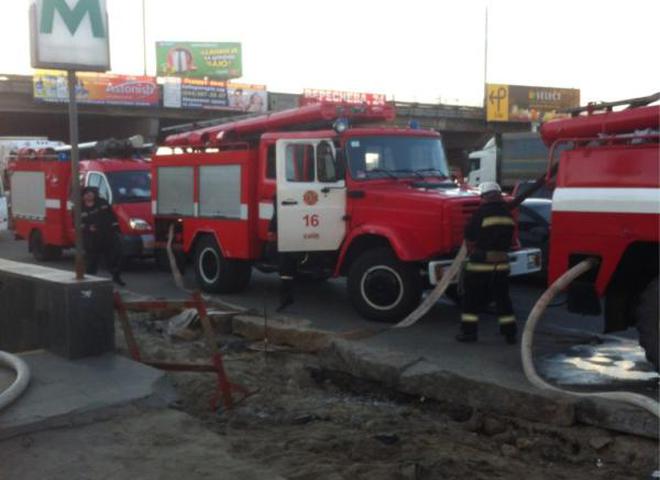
{"x": 40, "y": 251}
{"x": 648, "y": 321}
{"x": 383, "y": 288}
{"x": 216, "y": 274}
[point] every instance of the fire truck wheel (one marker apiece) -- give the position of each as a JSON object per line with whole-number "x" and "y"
{"x": 648, "y": 320}
{"x": 40, "y": 251}
{"x": 215, "y": 273}
{"x": 382, "y": 288}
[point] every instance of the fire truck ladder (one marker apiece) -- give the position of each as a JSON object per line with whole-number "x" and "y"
{"x": 310, "y": 117}
{"x": 592, "y": 107}
{"x": 98, "y": 149}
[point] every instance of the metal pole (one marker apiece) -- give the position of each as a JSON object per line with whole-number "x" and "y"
{"x": 144, "y": 36}
{"x": 486, "y": 58}
{"x": 75, "y": 180}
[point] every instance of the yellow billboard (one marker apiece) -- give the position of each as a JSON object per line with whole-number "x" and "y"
{"x": 518, "y": 103}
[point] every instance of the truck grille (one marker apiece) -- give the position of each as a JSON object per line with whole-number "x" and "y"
{"x": 461, "y": 214}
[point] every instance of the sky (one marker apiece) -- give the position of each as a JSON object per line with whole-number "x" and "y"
{"x": 416, "y": 50}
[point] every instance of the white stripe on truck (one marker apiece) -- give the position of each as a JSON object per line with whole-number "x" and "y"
{"x": 607, "y": 200}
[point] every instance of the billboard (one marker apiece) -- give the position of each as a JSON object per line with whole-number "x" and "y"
{"x": 220, "y": 61}
{"x": 96, "y": 88}
{"x": 69, "y": 35}
{"x": 518, "y": 103}
{"x": 214, "y": 95}
{"x": 311, "y": 95}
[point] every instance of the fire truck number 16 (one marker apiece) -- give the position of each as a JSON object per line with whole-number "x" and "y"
{"x": 311, "y": 220}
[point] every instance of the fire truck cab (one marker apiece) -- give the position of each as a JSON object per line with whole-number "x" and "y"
{"x": 40, "y": 190}
{"x": 372, "y": 203}
{"x": 606, "y": 205}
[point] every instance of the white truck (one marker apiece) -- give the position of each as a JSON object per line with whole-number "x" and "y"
{"x": 519, "y": 157}
{"x": 7, "y": 146}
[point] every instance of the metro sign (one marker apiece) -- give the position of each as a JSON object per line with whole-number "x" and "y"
{"x": 70, "y": 35}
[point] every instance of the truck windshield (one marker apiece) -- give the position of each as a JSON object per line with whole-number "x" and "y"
{"x": 130, "y": 186}
{"x": 395, "y": 156}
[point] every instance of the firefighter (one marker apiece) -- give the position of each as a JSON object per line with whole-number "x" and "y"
{"x": 100, "y": 234}
{"x": 488, "y": 235}
{"x": 286, "y": 264}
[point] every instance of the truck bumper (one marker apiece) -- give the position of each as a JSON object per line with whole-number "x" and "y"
{"x": 523, "y": 262}
{"x": 137, "y": 245}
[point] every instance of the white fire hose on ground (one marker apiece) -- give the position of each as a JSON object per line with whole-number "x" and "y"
{"x": 526, "y": 345}
{"x": 21, "y": 382}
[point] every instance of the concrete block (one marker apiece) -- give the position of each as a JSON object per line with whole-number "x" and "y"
{"x": 378, "y": 364}
{"x": 432, "y": 381}
{"x": 47, "y": 308}
{"x": 617, "y": 416}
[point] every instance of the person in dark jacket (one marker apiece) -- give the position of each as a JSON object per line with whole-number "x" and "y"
{"x": 100, "y": 232}
{"x": 488, "y": 235}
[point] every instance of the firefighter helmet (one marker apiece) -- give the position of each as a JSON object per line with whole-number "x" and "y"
{"x": 489, "y": 187}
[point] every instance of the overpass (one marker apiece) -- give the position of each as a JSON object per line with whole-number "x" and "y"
{"x": 463, "y": 128}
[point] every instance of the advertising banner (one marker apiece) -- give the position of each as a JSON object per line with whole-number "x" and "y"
{"x": 219, "y": 61}
{"x": 315, "y": 96}
{"x": 97, "y": 88}
{"x": 213, "y": 94}
{"x": 518, "y": 103}
{"x": 71, "y": 35}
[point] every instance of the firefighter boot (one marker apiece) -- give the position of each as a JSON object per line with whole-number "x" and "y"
{"x": 510, "y": 332}
{"x": 286, "y": 294}
{"x": 468, "y": 333}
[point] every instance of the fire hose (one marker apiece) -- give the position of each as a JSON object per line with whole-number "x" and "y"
{"x": 526, "y": 345}
{"x": 435, "y": 294}
{"x": 21, "y": 382}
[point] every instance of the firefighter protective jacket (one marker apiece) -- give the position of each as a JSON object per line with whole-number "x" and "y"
{"x": 491, "y": 229}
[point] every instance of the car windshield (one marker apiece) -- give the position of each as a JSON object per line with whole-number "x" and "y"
{"x": 130, "y": 186}
{"x": 395, "y": 156}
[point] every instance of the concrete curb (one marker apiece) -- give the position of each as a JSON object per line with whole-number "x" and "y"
{"x": 415, "y": 375}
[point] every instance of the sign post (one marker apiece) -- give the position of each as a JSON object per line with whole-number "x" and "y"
{"x": 71, "y": 35}
{"x": 75, "y": 180}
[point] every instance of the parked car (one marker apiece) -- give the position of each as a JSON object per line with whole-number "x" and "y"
{"x": 534, "y": 224}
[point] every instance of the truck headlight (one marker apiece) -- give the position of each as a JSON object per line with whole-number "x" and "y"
{"x": 139, "y": 224}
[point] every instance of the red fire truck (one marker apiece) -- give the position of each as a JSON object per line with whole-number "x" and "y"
{"x": 606, "y": 205}
{"x": 372, "y": 203}
{"x": 40, "y": 206}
